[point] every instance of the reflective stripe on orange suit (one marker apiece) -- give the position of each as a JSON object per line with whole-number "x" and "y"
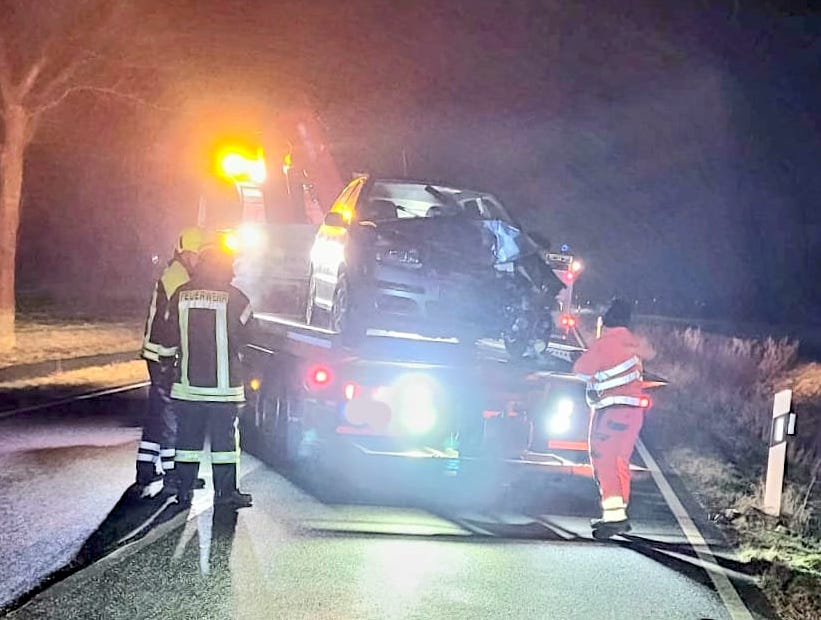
{"x": 614, "y": 430}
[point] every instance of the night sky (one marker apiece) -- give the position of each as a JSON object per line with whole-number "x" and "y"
{"x": 676, "y": 149}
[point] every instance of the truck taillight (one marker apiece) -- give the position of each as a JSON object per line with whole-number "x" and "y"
{"x": 319, "y": 377}
{"x": 568, "y": 321}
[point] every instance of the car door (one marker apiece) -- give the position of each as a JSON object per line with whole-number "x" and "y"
{"x": 329, "y": 250}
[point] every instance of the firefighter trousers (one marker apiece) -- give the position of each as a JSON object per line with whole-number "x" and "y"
{"x": 155, "y": 454}
{"x": 613, "y": 435}
{"x": 219, "y": 421}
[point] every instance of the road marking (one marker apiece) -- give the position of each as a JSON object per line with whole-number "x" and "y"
{"x": 726, "y": 591}
{"x": 73, "y": 399}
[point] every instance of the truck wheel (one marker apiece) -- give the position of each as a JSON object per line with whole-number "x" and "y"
{"x": 270, "y": 444}
{"x": 515, "y": 345}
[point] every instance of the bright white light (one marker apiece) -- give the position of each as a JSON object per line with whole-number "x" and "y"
{"x": 412, "y": 399}
{"x": 256, "y": 170}
{"x": 327, "y": 252}
{"x": 419, "y": 421}
{"x": 562, "y": 417}
{"x": 251, "y": 236}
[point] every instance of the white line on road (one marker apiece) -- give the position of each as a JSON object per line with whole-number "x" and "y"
{"x": 72, "y": 399}
{"x": 726, "y": 591}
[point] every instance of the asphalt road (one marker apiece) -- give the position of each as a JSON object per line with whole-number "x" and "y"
{"x": 382, "y": 542}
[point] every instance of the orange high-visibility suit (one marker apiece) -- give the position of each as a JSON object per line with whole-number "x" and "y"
{"x": 612, "y": 369}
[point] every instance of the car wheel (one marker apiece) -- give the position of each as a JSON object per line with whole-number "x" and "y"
{"x": 346, "y": 315}
{"x": 311, "y": 311}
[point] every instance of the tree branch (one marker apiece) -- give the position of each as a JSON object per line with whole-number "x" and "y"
{"x": 102, "y": 90}
{"x": 58, "y": 82}
{"x": 32, "y": 75}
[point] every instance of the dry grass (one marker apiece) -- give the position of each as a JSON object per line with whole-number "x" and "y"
{"x": 91, "y": 378}
{"x": 39, "y": 340}
{"x": 713, "y": 423}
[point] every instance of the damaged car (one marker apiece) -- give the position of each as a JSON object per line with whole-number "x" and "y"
{"x": 428, "y": 259}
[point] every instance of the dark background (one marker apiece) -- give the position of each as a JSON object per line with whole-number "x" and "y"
{"x": 675, "y": 148}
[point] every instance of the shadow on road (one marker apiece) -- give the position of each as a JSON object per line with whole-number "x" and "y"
{"x": 130, "y": 519}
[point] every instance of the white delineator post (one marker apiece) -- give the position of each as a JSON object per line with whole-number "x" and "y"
{"x": 783, "y": 425}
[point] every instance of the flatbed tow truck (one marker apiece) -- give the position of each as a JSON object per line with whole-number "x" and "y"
{"x": 316, "y": 402}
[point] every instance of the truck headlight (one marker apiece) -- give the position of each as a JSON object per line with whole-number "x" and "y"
{"x": 413, "y": 401}
{"x": 561, "y": 417}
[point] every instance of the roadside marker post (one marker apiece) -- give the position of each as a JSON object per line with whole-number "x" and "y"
{"x": 783, "y": 425}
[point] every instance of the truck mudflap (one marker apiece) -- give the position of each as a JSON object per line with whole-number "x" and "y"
{"x": 534, "y": 461}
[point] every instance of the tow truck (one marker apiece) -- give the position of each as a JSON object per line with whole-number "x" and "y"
{"x": 316, "y": 398}
{"x": 315, "y": 403}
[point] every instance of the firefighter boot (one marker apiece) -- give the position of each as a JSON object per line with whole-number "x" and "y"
{"x": 234, "y": 499}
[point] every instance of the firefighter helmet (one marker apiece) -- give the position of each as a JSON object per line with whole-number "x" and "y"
{"x": 191, "y": 239}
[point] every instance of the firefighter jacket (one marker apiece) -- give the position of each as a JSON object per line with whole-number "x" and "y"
{"x": 612, "y": 368}
{"x": 207, "y": 328}
{"x": 173, "y": 277}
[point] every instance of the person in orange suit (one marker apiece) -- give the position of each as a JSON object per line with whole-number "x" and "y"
{"x": 612, "y": 370}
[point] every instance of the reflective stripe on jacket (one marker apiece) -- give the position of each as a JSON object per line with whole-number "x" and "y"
{"x": 174, "y": 276}
{"x": 207, "y": 329}
{"x": 612, "y": 369}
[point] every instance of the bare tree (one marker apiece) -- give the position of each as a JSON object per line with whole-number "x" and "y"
{"x": 49, "y": 50}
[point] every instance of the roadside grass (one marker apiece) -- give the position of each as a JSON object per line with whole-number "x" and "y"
{"x": 39, "y": 340}
{"x": 712, "y": 424}
{"x": 27, "y": 392}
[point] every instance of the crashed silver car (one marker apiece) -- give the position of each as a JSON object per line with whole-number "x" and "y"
{"x": 429, "y": 259}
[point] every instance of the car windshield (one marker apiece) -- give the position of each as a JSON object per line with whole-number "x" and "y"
{"x": 400, "y": 200}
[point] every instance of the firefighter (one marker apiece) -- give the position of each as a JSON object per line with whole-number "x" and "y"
{"x": 155, "y": 455}
{"x": 208, "y": 325}
{"x": 612, "y": 370}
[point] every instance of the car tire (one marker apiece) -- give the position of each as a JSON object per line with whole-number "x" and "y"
{"x": 343, "y": 316}
{"x": 311, "y": 311}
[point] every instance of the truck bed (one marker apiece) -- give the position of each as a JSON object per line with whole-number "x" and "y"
{"x": 280, "y": 333}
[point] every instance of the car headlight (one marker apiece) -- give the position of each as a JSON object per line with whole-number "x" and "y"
{"x": 561, "y": 417}
{"x": 327, "y": 252}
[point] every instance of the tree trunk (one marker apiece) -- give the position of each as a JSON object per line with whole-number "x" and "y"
{"x": 11, "y": 182}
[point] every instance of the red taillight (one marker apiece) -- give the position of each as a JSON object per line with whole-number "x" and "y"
{"x": 351, "y": 390}
{"x": 319, "y": 376}
{"x": 568, "y": 321}
{"x": 645, "y": 402}
{"x": 569, "y": 276}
